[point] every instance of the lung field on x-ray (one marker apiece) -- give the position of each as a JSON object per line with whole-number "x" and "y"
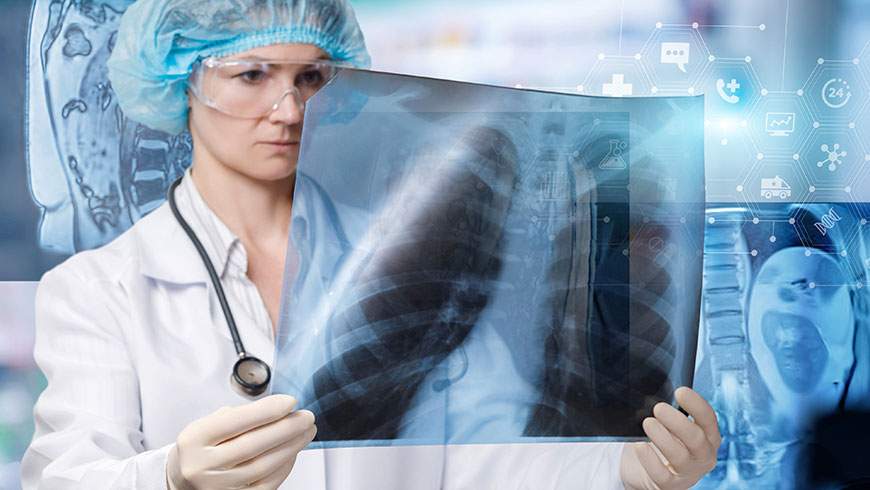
{"x": 421, "y": 290}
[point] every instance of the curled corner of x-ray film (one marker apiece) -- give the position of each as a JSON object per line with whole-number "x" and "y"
{"x": 784, "y": 334}
{"x": 490, "y": 265}
{"x": 92, "y": 172}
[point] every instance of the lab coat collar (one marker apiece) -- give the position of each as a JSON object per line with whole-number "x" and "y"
{"x": 165, "y": 251}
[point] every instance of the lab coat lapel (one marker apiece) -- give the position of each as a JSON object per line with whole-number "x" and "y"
{"x": 166, "y": 252}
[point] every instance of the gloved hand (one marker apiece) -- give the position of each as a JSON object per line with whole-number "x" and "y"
{"x": 248, "y": 446}
{"x": 681, "y": 450}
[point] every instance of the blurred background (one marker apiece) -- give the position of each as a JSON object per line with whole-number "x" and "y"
{"x": 787, "y": 138}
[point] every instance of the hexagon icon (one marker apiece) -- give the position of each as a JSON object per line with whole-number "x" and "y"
{"x": 780, "y": 123}
{"x": 831, "y": 158}
{"x": 675, "y": 58}
{"x": 731, "y": 87}
{"x": 835, "y": 91}
{"x": 775, "y": 181}
{"x": 616, "y": 76}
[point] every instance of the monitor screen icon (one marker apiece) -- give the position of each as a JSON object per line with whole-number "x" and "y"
{"x": 779, "y": 123}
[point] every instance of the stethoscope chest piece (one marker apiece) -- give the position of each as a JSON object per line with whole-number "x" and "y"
{"x": 250, "y": 376}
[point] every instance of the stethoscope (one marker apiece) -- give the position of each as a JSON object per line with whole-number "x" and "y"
{"x": 250, "y": 374}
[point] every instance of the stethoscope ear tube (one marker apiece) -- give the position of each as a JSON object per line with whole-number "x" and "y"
{"x": 250, "y": 376}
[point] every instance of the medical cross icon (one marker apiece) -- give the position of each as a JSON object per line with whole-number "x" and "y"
{"x": 733, "y": 85}
{"x": 617, "y": 87}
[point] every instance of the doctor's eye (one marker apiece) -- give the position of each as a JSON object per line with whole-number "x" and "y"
{"x": 311, "y": 77}
{"x": 252, "y": 76}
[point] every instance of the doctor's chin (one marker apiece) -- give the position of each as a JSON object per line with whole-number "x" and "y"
{"x": 419, "y": 244}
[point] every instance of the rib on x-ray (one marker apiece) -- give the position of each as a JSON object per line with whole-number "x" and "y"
{"x": 485, "y": 264}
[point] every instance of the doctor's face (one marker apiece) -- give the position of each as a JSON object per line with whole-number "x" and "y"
{"x": 266, "y": 147}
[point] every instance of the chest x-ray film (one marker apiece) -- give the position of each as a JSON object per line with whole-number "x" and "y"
{"x": 490, "y": 265}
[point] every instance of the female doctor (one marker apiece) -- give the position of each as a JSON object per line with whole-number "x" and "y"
{"x": 155, "y": 345}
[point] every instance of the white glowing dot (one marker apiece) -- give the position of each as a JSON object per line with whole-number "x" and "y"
{"x": 755, "y": 220}
{"x": 843, "y": 253}
{"x": 791, "y": 221}
{"x": 691, "y": 90}
{"x": 807, "y": 253}
{"x": 607, "y": 219}
{"x": 759, "y": 156}
{"x": 694, "y": 25}
{"x": 711, "y": 220}
{"x": 764, "y": 91}
{"x": 863, "y": 221}
{"x": 800, "y": 92}
{"x": 855, "y": 61}
{"x": 754, "y": 252}
{"x": 816, "y": 124}
{"x": 579, "y": 88}
{"x": 739, "y": 188}
{"x": 851, "y": 125}
{"x": 762, "y": 27}
{"x": 820, "y": 61}
{"x": 812, "y": 188}
{"x": 812, "y": 285}
{"x": 772, "y": 238}
{"x": 748, "y": 59}
{"x": 654, "y": 90}
{"x": 711, "y": 58}
{"x": 637, "y": 56}
{"x": 848, "y": 188}
{"x": 658, "y": 25}
{"x": 625, "y": 252}
{"x": 795, "y": 157}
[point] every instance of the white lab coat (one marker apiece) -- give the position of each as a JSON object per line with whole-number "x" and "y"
{"x": 134, "y": 346}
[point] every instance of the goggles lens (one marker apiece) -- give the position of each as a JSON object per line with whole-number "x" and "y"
{"x": 251, "y": 89}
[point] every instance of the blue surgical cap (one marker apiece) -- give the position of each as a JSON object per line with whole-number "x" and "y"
{"x": 159, "y": 40}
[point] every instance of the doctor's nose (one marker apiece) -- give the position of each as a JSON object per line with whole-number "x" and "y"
{"x": 288, "y": 109}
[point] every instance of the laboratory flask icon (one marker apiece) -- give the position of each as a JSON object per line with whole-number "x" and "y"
{"x": 614, "y": 159}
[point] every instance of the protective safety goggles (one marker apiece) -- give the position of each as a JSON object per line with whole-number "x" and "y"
{"x": 254, "y": 88}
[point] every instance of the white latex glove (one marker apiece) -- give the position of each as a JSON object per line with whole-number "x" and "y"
{"x": 248, "y": 446}
{"x": 681, "y": 450}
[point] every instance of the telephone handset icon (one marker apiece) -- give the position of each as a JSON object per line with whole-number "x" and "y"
{"x": 732, "y": 86}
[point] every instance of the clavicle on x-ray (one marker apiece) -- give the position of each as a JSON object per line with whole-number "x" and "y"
{"x": 484, "y": 265}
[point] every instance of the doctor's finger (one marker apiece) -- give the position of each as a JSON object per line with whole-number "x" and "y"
{"x": 229, "y": 422}
{"x": 701, "y": 412}
{"x": 671, "y": 448}
{"x": 257, "y": 441}
{"x": 686, "y": 431}
{"x": 652, "y": 464}
{"x": 276, "y": 478}
{"x": 265, "y": 464}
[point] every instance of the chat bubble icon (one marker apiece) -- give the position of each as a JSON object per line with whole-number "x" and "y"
{"x": 676, "y": 54}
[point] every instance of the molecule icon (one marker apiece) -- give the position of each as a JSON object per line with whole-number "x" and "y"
{"x": 834, "y": 155}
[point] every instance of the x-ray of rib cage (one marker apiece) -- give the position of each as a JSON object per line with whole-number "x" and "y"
{"x": 482, "y": 264}
{"x": 93, "y": 173}
{"x": 784, "y": 334}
